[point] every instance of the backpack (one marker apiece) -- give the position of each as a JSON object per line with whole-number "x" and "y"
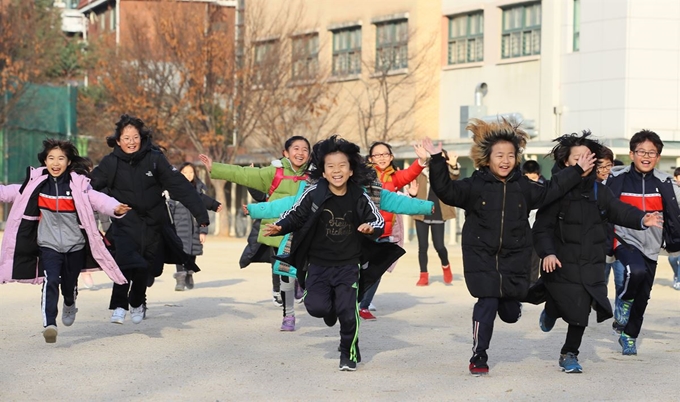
{"x": 279, "y": 177}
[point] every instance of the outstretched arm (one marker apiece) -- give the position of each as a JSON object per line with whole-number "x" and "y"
{"x": 294, "y": 218}
{"x": 271, "y": 209}
{"x": 402, "y": 204}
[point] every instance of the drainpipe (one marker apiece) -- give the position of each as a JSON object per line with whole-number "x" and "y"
{"x": 117, "y": 22}
{"x": 480, "y": 92}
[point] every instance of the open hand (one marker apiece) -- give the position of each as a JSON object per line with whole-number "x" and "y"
{"x": 365, "y": 228}
{"x": 121, "y": 209}
{"x": 587, "y": 161}
{"x": 653, "y": 219}
{"x": 271, "y": 229}
{"x": 453, "y": 159}
{"x": 423, "y": 155}
{"x": 219, "y": 208}
{"x": 551, "y": 263}
{"x": 429, "y": 146}
{"x": 413, "y": 188}
{"x": 207, "y": 161}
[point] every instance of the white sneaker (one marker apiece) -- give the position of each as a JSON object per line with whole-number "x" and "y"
{"x": 118, "y": 316}
{"x": 371, "y": 307}
{"x": 68, "y": 314}
{"x": 137, "y": 314}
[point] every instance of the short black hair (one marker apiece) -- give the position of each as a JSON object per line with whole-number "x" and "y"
{"x": 362, "y": 175}
{"x": 531, "y": 166}
{"x": 676, "y": 172}
{"x": 618, "y": 162}
{"x": 562, "y": 150}
{"x": 646, "y": 135}
{"x": 607, "y": 154}
{"x": 128, "y": 120}
{"x": 289, "y": 142}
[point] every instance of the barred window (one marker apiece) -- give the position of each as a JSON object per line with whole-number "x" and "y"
{"x": 391, "y": 48}
{"x": 466, "y": 38}
{"x": 264, "y": 51}
{"x": 521, "y": 31}
{"x": 305, "y": 57}
{"x": 347, "y": 51}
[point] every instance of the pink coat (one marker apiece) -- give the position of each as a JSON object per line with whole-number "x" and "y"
{"x": 86, "y": 201}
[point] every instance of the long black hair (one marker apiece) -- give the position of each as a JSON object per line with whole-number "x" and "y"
{"x": 562, "y": 150}
{"x": 363, "y": 174}
{"x": 127, "y": 120}
{"x": 78, "y": 164}
{"x": 389, "y": 149}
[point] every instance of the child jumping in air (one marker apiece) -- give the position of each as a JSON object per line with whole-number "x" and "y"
{"x": 496, "y": 240}
{"x": 51, "y": 229}
{"x": 335, "y": 224}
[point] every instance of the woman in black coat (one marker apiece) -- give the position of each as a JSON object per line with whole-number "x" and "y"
{"x": 138, "y": 172}
{"x": 571, "y": 238}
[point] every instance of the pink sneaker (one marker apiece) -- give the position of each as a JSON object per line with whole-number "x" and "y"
{"x": 288, "y": 323}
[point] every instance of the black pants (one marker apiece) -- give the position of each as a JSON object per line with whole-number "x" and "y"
{"x": 638, "y": 278}
{"x": 483, "y": 316}
{"x": 334, "y": 289}
{"x": 61, "y": 269}
{"x": 437, "y": 229}
{"x": 573, "y": 340}
{"x": 132, "y": 293}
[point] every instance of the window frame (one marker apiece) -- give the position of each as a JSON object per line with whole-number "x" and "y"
{"x": 397, "y": 47}
{"x": 350, "y": 55}
{"x": 307, "y": 59}
{"x": 466, "y": 39}
{"x": 576, "y": 40}
{"x": 520, "y": 36}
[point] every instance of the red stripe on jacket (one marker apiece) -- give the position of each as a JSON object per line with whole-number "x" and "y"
{"x": 645, "y": 202}
{"x": 49, "y": 203}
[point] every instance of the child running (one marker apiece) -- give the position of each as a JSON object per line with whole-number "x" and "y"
{"x": 332, "y": 222}
{"x": 496, "y": 240}
{"x": 51, "y": 231}
{"x": 571, "y": 239}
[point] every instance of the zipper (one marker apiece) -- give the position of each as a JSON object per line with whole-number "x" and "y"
{"x": 644, "y": 204}
{"x": 58, "y": 216}
{"x": 500, "y": 242}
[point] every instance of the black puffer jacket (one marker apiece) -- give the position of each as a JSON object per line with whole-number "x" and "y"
{"x": 496, "y": 239}
{"x": 185, "y": 225}
{"x": 574, "y": 229}
{"x": 138, "y": 180}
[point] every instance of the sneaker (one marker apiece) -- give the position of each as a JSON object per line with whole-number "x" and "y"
{"x": 50, "y": 334}
{"x": 627, "y": 343}
{"x": 546, "y": 322}
{"x": 288, "y": 323}
{"x": 276, "y": 298}
{"x": 189, "y": 280}
{"x": 347, "y": 365}
{"x": 118, "y": 316}
{"x": 371, "y": 307}
{"x": 88, "y": 283}
{"x": 68, "y": 314}
{"x": 137, "y": 314}
{"x": 676, "y": 283}
{"x": 180, "y": 277}
{"x": 448, "y": 276}
{"x": 479, "y": 367}
{"x": 366, "y": 314}
{"x": 569, "y": 363}
{"x": 622, "y": 310}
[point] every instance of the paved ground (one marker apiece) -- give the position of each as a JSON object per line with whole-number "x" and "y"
{"x": 220, "y": 342}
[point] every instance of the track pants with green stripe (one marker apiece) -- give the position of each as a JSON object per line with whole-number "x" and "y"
{"x": 333, "y": 291}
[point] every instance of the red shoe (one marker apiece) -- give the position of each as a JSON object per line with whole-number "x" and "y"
{"x": 424, "y": 279}
{"x": 448, "y": 276}
{"x": 479, "y": 368}
{"x": 366, "y": 314}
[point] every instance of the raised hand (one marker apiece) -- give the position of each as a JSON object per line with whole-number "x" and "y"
{"x": 429, "y": 146}
{"x": 365, "y": 228}
{"x": 653, "y": 219}
{"x": 453, "y": 159}
{"x": 423, "y": 155}
{"x": 413, "y": 188}
{"x": 207, "y": 161}
{"x": 271, "y": 229}
{"x": 587, "y": 161}
{"x": 121, "y": 209}
{"x": 550, "y": 263}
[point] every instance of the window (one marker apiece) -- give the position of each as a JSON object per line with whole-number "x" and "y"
{"x": 521, "y": 31}
{"x": 102, "y": 21}
{"x": 305, "y": 57}
{"x": 391, "y": 49}
{"x": 113, "y": 19}
{"x": 466, "y": 38}
{"x": 577, "y": 25}
{"x": 347, "y": 51}
{"x": 264, "y": 51}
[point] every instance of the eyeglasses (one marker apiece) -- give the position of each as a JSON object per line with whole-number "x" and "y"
{"x": 604, "y": 168}
{"x": 642, "y": 153}
{"x": 377, "y": 156}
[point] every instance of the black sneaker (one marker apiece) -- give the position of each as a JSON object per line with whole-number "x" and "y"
{"x": 478, "y": 366}
{"x": 347, "y": 365}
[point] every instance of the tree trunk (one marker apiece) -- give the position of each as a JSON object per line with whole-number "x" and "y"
{"x": 223, "y": 216}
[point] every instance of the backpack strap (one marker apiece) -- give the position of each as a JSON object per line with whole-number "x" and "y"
{"x": 279, "y": 177}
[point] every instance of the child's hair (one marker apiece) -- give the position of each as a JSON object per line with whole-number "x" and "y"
{"x": 362, "y": 175}
{"x": 77, "y": 164}
{"x": 289, "y": 142}
{"x": 562, "y": 150}
{"x": 676, "y": 172}
{"x": 127, "y": 120}
{"x": 185, "y": 164}
{"x": 531, "y": 166}
{"x": 618, "y": 162}
{"x": 607, "y": 153}
{"x": 386, "y": 145}
{"x": 646, "y": 135}
{"x": 486, "y": 135}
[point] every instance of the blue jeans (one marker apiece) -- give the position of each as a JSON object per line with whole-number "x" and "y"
{"x": 617, "y": 267}
{"x": 675, "y": 262}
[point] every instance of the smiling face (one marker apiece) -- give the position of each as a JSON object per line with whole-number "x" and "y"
{"x": 381, "y": 156}
{"x": 645, "y": 156}
{"x": 503, "y": 159}
{"x": 574, "y": 154}
{"x": 56, "y": 162}
{"x": 337, "y": 170}
{"x": 297, "y": 153}
{"x": 130, "y": 141}
{"x": 604, "y": 167}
